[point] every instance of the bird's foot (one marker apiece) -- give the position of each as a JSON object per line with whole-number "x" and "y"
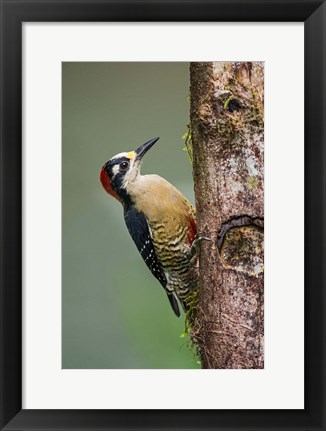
{"x": 195, "y": 246}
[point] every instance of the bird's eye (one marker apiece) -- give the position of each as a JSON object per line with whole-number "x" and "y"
{"x": 124, "y": 165}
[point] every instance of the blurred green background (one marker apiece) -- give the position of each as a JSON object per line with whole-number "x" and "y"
{"x": 115, "y": 314}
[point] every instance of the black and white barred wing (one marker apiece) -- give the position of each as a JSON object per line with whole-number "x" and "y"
{"x": 140, "y": 232}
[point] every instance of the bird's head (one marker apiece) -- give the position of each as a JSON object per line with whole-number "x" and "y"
{"x": 122, "y": 170}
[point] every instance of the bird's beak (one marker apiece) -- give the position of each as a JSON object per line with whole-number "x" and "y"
{"x": 142, "y": 150}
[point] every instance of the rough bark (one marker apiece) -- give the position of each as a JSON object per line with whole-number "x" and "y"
{"x": 228, "y": 165}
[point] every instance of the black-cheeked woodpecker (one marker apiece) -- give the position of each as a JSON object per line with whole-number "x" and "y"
{"x": 160, "y": 220}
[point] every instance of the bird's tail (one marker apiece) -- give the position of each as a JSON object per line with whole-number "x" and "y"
{"x": 174, "y": 304}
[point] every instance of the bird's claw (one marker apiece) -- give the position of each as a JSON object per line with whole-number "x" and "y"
{"x": 195, "y": 245}
{"x": 199, "y": 239}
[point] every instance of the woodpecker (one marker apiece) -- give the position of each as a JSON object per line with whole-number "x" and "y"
{"x": 160, "y": 220}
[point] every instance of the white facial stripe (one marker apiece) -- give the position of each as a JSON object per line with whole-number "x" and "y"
{"x": 115, "y": 170}
{"x": 131, "y": 174}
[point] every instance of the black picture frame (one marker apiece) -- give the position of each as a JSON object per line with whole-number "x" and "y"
{"x": 13, "y": 14}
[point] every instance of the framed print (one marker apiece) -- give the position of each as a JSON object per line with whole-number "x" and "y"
{"x": 229, "y": 96}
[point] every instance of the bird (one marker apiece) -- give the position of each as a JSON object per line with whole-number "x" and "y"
{"x": 160, "y": 220}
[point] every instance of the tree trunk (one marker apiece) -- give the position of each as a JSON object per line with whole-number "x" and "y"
{"x": 227, "y": 131}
